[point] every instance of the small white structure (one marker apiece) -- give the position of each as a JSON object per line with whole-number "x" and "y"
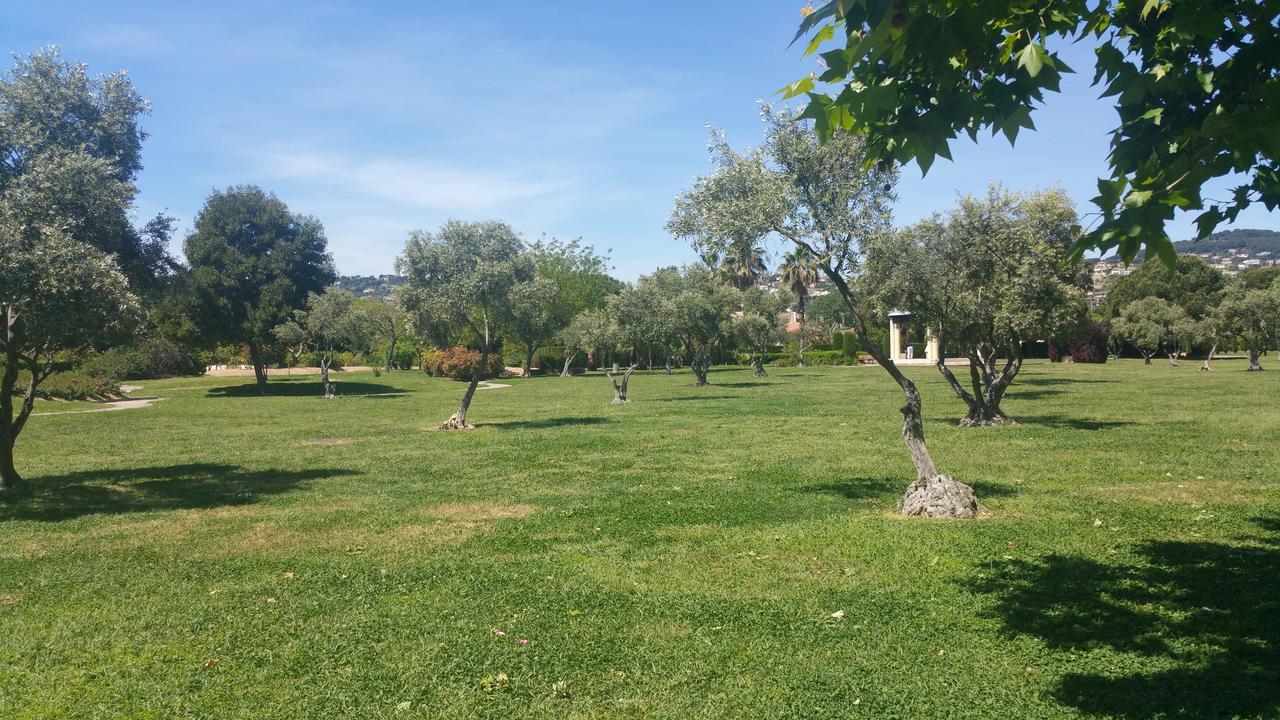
{"x": 898, "y": 318}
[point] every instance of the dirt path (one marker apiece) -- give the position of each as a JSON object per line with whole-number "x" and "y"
{"x": 107, "y": 407}
{"x": 486, "y": 385}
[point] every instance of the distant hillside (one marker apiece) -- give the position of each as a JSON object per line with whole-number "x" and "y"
{"x": 1252, "y": 241}
{"x": 1231, "y": 251}
{"x": 370, "y": 285}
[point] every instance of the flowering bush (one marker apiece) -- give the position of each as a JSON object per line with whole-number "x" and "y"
{"x": 459, "y": 363}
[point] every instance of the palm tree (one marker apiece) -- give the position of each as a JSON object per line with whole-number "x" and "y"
{"x": 742, "y": 264}
{"x": 799, "y": 272}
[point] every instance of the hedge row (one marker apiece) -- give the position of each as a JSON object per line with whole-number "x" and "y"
{"x": 155, "y": 358}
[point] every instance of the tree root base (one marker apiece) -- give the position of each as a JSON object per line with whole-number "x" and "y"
{"x": 454, "y": 424}
{"x": 996, "y": 421}
{"x": 941, "y": 497}
{"x": 620, "y": 401}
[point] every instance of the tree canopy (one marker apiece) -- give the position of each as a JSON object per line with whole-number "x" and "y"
{"x": 462, "y": 277}
{"x": 56, "y": 120}
{"x": 986, "y": 279}
{"x": 1251, "y": 316}
{"x": 1153, "y": 324}
{"x": 252, "y": 263}
{"x": 1195, "y": 87}
{"x": 1192, "y": 284}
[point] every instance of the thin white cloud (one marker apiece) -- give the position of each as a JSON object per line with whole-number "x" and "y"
{"x": 414, "y": 184}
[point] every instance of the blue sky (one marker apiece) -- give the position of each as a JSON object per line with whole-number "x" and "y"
{"x": 570, "y": 119}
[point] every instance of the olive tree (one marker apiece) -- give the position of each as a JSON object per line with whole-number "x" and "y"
{"x": 329, "y": 320}
{"x": 533, "y": 317}
{"x": 659, "y": 323}
{"x": 253, "y": 262}
{"x": 985, "y": 279}
{"x": 703, "y": 305}
{"x": 461, "y": 278}
{"x": 758, "y": 325}
{"x": 386, "y": 320}
{"x": 592, "y": 330}
{"x": 1252, "y": 317}
{"x": 54, "y": 114}
{"x": 56, "y": 294}
{"x": 827, "y": 199}
{"x": 1154, "y": 324}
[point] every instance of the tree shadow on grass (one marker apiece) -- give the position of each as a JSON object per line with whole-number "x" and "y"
{"x": 303, "y": 389}
{"x": 1187, "y": 630}
{"x": 859, "y": 488}
{"x": 172, "y": 487}
{"x": 743, "y": 384}
{"x": 1037, "y": 380}
{"x": 1062, "y": 422}
{"x": 1016, "y": 394}
{"x": 682, "y": 398}
{"x": 546, "y": 423}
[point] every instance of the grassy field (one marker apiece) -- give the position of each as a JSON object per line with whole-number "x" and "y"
{"x": 728, "y": 551}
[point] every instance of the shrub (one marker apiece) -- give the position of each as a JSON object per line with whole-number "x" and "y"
{"x": 154, "y": 358}
{"x": 837, "y": 341}
{"x": 460, "y": 363}
{"x": 1089, "y": 344}
{"x": 77, "y": 386}
{"x": 432, "y": 360}
{"x": 811, "y": 357}
{"x": 403, "y": 358}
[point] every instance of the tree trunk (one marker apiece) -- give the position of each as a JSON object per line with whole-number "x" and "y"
{"x": 259, "y": 368}
{"x": 988, "y": 387}
{"x": 568, "y": 361}
{"x": 620, "y": 389}
{"x": 527, "y": 367}
{"x": 932, "y": 494}
{"x": 1205, "y": 367}
{"x": 758, "y": 364}
{"x": 1254, "y": 366}
{"x": 666, "y": 356}
{"x": 1146, "y": 359}
{"x": 9, "y": 478}
{"x": 700, "y": 363}
{"x": 324, "y": 377}
{"x": 391, "y": 352}
{"x": 459, "y": 419}
{"x": 1173, "y": 359}
{"x": 11, "y": 421}
{"x": 800, "y": 321}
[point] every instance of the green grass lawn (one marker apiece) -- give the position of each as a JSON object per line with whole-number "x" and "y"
{"x": 728, "y": 551}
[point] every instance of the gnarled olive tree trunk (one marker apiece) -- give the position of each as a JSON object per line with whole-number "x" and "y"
{"x": 666, "y": 356}
{"x": 757, "y": 363}
{"x": 700, "y": 363}
{"x": 259, "y": 367}
{"x": 620, "y": 389}
{"x": 12, "y": 419}
{"x": 458, "y": 421}
{"x": 1212, "y": 351}
{"x": 325, "y": 359}
{"x": 569, "y": 356}
{"x": 1254, "y": 365}
{"x": 988, "y": 384}
{"x": 527, "y": 367}
{"x": 932, "y": 494}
